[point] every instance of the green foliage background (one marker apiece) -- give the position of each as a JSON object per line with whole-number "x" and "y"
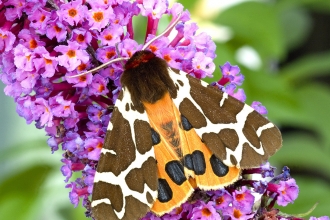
{"x": 292, "y": 82}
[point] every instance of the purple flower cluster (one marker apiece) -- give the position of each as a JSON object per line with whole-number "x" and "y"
{"x": 45, "y": 42}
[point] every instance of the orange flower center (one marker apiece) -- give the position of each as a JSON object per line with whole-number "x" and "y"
{"x": 239, "y": 197}
{"x": 153, "y": 48}
{"x": 42, "y": 18}
{"x": 48, "y": 61}
{"x": 82, "y": 78}
{"x": 98, "y": 16}
{"x": 33, "y": 44}
{"x": 72, "y": 12}
{"x": 220, "y": 200}
{"x": 237, "y": 213}
{"x": 108, "y": 37}
{"x": 101, "y": 88}
{"x": 167, "y": 58}
{"x": 206, "y": 212}
{"x": 71, "y": 53}
{"x": 99, "y": 145}
{"x": 57, "y": 28}
{"x": 99, "y": 114}
{"x": 110, "y": 54}
{"x": 80, "y": 38}
{"x": 81, "y": 67}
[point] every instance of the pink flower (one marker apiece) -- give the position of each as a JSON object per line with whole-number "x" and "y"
{"x": 202, "y": 65}
{"x": 72, "y": 56}
{"x": 94, "y": 146}
{"x": 82, "y": 37}
{"x": 153, "y": 8}
{"x": 46, "y": 64}
{"x": 259, "y": 108}
{"x": 23, "y": 58}
{"x": 222, "y": 199}
{"x": 56, "y": 29}
{"x": 243, "y": 198}
{"x": 43, "y": 111}
{"x": 111, "y": 35}
{"x": 39, "y": 20}
{"x": 99, "y": 17}
{"x": 72, "y": 12}
{"x": 205, "y": 211}
{"x": 287, "y": 192}
{"x": 7, "y": 40}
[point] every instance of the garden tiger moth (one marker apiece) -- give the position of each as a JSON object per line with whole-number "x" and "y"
{"x": 169, "y": 133}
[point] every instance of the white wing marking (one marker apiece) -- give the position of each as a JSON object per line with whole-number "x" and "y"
{"x": 104, "y": 151}
{"x": 99, "y": 201}
{"x": 110, "y": 126}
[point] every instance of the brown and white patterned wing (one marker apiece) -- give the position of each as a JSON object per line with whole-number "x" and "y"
{"x": 232, "y": 130}
{"x": 125, "y": 184}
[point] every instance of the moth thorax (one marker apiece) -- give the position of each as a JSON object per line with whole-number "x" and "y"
{"x": 146, "y": 77}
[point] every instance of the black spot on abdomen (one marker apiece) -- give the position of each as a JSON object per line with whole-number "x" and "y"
{"x": 174, "y": 170}
{"x": 219, "y": 168}
{"x": 165, "y": 193}
{"x": 155, "y": 137}
{"x": 185, "y": 123}
{"x": 195, "y": 162}
{"x": 188, "y": 161}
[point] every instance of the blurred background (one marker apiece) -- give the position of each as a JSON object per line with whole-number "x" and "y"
{"x": 283, "y": 50}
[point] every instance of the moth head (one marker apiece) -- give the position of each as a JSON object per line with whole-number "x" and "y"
{"x": 146, "y": 77}
{"x": 138, "y": 58}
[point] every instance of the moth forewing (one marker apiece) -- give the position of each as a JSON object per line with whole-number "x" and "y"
{"x": 125, "y": 184}
{"x": 234, "y": 131}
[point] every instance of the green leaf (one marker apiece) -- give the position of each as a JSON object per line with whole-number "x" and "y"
{"x": 20, "y": 191}
{"x": 188, "y": 4}
{"x": 31, "y": 182}
{"x": 297, "y": 23}
{"x": 307, "y": 67}
{"x": 255, "y": 24}
{"x": 303, "y": 153}
{"x": 314, "y": 102}
{"x": 319, "y": 5}
{"x": 309, "y": 164}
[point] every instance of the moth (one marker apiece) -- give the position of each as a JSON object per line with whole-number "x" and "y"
{"x": 170, "y": 133}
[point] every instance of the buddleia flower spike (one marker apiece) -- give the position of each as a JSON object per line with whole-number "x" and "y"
{"x": 148, "y": 139}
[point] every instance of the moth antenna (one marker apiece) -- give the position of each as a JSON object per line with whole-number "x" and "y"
{"x": 101, "y": 66}
{"x": 121, "y": 59}
{"x": 162, "y": 34}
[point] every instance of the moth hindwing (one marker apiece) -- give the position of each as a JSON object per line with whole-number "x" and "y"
{"x": 170, "y": 133}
